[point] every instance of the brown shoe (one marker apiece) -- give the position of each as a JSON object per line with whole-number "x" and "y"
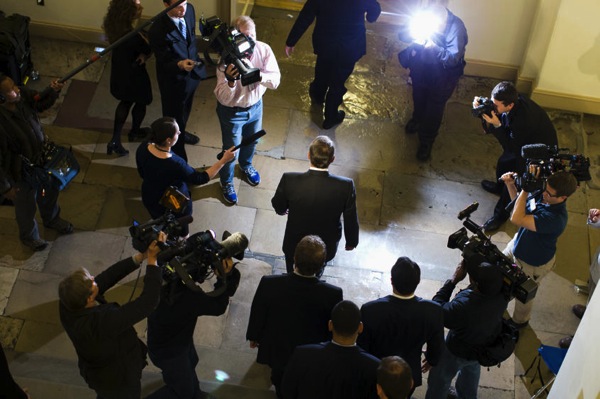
{"x": 578, "y": 310}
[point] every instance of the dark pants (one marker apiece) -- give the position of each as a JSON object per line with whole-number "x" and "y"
{"x": 431, "y": 91}
{"x": 329, "y": 83}
{"x": 507, "y": 162}
{"x": 179, "y": 375}
{"x": 123, "y": 392}
{"x": 176, "y": 99}
{"x": 29, "y": 199}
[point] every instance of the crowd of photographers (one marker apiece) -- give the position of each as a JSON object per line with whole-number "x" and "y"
{"x": 316, "y": 343}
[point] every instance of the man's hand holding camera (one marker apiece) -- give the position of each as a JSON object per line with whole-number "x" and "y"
{"x": 459, "y": 273}
{"x": 152, "y": 252}
{"x": 231, "y": 74}
{"x": 491, "y": 118}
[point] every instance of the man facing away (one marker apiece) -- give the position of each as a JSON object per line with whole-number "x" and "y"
{"x": 339, "y": 41}
{"x": 315, "y": 201}
{"x": 402, "y": 323}
{"x": 291, "y": 309}
{"x": 338, "y": 369}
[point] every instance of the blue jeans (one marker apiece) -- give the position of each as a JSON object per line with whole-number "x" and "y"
{"x": 179, "y": 375}
{"x": 441, "y": 376}
{"x": 237, "y": 123}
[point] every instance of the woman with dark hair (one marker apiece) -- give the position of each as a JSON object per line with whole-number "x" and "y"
{"x": 129, "y": 81}
{"x": 160, "y": 168}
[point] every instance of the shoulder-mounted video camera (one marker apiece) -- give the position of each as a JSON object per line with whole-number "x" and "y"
{"x": 549, "y": 160}
{"x": 233, "y": 47}
{"x": 479, "y": 248}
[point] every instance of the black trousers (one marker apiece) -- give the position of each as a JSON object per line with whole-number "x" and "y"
{"x": 431, "y": 91}
{"x": 329, "y": 83}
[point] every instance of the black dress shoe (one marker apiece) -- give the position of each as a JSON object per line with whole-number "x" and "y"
{"x": 424, "y": 151}
{"x": 491, "y": 187}
{"x": 411, "y": 127}
{"x": 331, "y": 122}
{"x": 493, "y": 224}
{"x": 190, "y": 138}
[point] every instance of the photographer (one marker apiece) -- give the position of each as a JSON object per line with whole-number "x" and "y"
{"x": 436, "y": 64}
{"x": 541, "y": 218}
{"x": 240, "y": 108}
{"x": 111, "y": 356}
{"x": 474, "y": 319}
{"x": 515, "y": 121}
{"x": 171, "y": 329}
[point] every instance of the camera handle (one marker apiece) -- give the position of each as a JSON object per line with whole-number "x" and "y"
{"x": 177, "y": 265}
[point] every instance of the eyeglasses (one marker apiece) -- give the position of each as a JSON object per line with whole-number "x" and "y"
{"x": 550, "y": 194}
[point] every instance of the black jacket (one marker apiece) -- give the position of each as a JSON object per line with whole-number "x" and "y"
{"x": 330, "y": 371}
{"x": 287, "y": 311}
{"x": 401, "y": 327}
{"x": 109, "y": 351}
{"x": 340, "y": 28}
{"x": 474, "y": 319}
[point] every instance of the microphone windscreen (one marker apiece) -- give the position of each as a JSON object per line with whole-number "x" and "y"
{"x": 234, "y": 246}
{"x": 537, "y": 151}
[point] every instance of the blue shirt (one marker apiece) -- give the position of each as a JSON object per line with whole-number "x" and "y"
{"x": 538, "y": 247}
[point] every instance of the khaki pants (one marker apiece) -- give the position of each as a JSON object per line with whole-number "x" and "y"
{"x": 522, "y": 312}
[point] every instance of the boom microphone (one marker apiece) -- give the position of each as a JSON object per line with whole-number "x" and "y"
{"x": 233, "y": 245}
{"x": 245, "y": 141}
{"x": 538, "y": 151}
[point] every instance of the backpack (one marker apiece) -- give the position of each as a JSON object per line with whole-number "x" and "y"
{"x": 501, "y": 348}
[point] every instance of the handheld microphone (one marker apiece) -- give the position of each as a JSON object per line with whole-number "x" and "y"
{"x": 233, "y": 245}
{"x": 245, "y": 141}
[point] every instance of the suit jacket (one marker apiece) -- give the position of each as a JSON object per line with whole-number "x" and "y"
{"x": 170, "y": 47}
{"x": 289, "y": 310}
{"x": 400, "y": 327}
{"x": 340, "y": 31}
{"x": 330, "y": 371}
{"x": 316, "y": 200}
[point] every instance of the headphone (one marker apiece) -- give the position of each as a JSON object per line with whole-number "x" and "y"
{"x": 2, "y": 78}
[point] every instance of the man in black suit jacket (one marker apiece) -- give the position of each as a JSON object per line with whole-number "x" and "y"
{"x": 339, "y": 41}
{"x": 291, "y": 309}
{"x": 314, "y": 202}
{"x": 401, "y": 323}
{"x": 338, "y": 369}
{"x": 178, "y": 66}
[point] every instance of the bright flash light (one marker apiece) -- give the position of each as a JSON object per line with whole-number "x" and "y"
{"x": 221, "y": 376}
{"x": 423, "y": 25}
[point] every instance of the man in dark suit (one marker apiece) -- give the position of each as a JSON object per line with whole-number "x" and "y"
{"x": 338, "y": 369}
{"x": 178, "y": 66}
{"x": 339, "y": 41}
{"x": 314, "y": 202}
{"x": 401, "y": 323}
{"x": 292, "y": 309}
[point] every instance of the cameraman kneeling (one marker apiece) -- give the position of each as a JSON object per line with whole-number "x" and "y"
{"x": 541, "y": 218}
{"x": 171, "y": 330}
{"x": 111, "y": 356}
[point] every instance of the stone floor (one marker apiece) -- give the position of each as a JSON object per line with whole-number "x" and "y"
{"x": 406, "y": 208}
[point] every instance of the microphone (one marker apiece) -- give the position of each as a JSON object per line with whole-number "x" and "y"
{"x": 468, "y": 210}
{"x": 245, "y": 141}
{"x": 233, "y": 245}
{"x": 538, "y": 151}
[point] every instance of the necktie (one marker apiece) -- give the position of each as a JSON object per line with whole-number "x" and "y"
{"x": 182, "y": 28}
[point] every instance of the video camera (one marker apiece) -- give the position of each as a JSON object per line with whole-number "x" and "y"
{"x": 479, "y": 248}
{"x": 549, "y": 160}
{"x": 486, "y": 106}
{"x": 232, "y": 46}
